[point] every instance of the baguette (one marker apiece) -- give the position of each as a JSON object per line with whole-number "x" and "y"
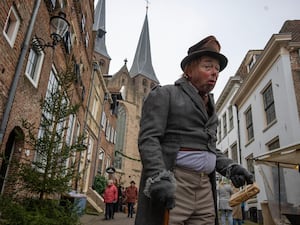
{"x": 243, "y": 195}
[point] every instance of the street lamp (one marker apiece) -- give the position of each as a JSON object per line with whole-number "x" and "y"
{"x": 58, "y": 26}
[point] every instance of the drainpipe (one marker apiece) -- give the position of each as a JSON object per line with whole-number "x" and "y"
{"x": 13, "y": 87}
{"x": 238, "y": 133}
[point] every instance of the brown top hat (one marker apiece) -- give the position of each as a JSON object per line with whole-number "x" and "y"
{"x": 209, "y": 46}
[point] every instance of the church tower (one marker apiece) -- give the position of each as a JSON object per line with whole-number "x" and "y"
{"x": 133, "y": 85}
{"x": 100, "y": 52}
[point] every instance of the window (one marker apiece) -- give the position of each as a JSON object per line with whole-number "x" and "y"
{"x": 145, "y": 83}
{"x": 83, "y": 23}
{"x": 251, "y": 63}
{"x": 53, "y": 124}
{"x": 249, "y": 124}
{"x": 70, "y": 129}
{"x": 11, "y": 26}
{"x": 120, "y": 137}
{"x": 115, "y": 137}
{"x": 77, "y": 134}
{"x": 63, "y": 3}
{"x": 226, "y": 153}
{"x": 103, "y": 121}
{"x": 112, "y": 133}
{"x": 107, "y": 130}
{"x": 274, "y": 144}
{"x": 46, "y": 115}
{"x": 219, "y": 131}
{"x": 95, "y": 107}
{"x": 108, "y": 164}
{"x": 101, "y": 157}
{"x": 250, "y": 165}
{"x": 230, "y": 115}
{"x": 102, "y": 63}
{"x": 90, "y": 148}
{"x": 67, "y": 40}
{"x": 224, "y": 125}
{"x": 234, "y": 153}
{"x": 53, "y": 3}
{"x": 269, "y": 105}
{"x": 87, "y": 39}
{"x": 34, "y": 66}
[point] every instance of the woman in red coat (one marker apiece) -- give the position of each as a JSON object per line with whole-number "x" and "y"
{"x": 110, "y": 197}
{"x": 131, "y": 193}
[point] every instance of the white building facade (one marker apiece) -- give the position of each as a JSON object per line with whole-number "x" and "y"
{"x": 267, "y": 107}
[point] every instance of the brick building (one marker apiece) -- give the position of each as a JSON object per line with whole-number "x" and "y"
{"x": 27, "y": 71}
{"x": 110, "y": 104}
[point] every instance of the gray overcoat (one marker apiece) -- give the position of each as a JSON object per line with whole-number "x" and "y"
{"x": 173, "y": 116}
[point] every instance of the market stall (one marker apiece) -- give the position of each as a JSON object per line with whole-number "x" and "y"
{"x": 280, "y": 172}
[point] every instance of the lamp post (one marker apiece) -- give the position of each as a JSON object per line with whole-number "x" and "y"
{"x": 58, "y": 26}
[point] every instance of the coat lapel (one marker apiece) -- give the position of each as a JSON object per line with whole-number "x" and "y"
{"x": 195, "y": 97}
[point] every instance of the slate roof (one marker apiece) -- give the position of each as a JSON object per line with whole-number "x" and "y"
{"x": 142, "y": 63}
{"x": 99, "y": 27}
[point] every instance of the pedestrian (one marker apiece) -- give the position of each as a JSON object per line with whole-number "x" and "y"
{"x": 120, "y": 198}
{"x": 237, "y": 214}
{"x": 116, "y": 203}
{"x": 224, "y": 191}
{"x": 243, "y": 212}
{"x": 110, "y": 197}
{"x": 131, "y": 194}
{"x": 177, "y": 145}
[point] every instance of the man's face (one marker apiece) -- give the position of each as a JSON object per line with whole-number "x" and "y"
{"x": 203, "y": 73}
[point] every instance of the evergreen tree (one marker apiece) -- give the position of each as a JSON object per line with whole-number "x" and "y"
{"x": 38, "y": 183}
{"x": 55, "y": 165}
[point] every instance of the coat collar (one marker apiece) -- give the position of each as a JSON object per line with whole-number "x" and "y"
{"x": 193, "y": 94}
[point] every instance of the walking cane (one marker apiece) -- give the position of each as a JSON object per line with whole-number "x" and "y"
{"x": 166, "y": 217}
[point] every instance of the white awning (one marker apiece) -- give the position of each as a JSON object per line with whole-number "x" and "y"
{"x": 288, "y": 157}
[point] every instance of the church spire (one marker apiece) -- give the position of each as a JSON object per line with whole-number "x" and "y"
{"x": 142, "y": 63}
{"x": 99, "y": 27}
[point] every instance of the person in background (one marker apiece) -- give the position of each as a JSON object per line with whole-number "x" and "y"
{"x": 243, "y": 212}
{"x": 131, "y": 194}
{"x": 120, "y": 198}
{"x": 116, "y": 203}
{"x": 177, "y": 145}
{"x": 224, "y": 191}
{"x": 110, "y": 197}
{"x": 237, "y": 215}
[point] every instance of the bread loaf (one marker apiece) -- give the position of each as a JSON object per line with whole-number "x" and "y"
{"x": 243, "y": 195}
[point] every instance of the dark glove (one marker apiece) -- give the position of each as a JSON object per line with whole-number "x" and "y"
{"x": 239, "y": 175}
{"x": 163, "y": 191}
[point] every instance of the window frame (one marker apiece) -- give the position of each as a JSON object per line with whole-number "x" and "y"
{"x": 230, "y": 117}
{"x": 12, "y": 25}
{"x": 224, "y": 121}
{"x": 269, "y": 104}
{"x": 36, "y": 67}
{"x": 249, "y": 124}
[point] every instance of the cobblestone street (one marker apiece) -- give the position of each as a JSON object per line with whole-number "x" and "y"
{"x": 120, "y": 218}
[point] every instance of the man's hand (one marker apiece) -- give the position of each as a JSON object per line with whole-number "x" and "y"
{"x": 163, "y": 191}
{"x": 239, "y": 175}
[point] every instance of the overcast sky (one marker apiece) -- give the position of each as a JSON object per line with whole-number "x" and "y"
{"x": 175, "y": 25}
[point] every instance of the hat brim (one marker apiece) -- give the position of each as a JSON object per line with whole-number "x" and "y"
{"x": 221, "y": 58}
